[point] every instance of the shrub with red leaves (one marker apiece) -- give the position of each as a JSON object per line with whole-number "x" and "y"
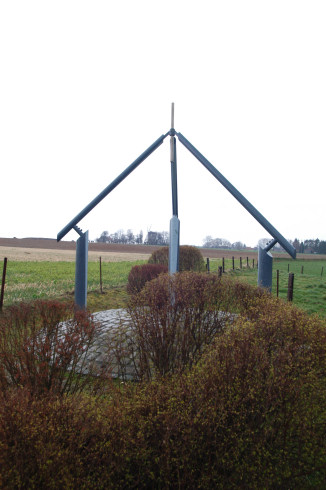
{"x": 174, "y": 318}
{"x": 141, "y": 274}
{"x": 44, "y": 347}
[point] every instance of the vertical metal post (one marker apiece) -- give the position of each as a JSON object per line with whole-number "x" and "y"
{"x": 174, "y": 222}
{"x": 174, "y": 245}
{"x": 81, "y": 271}
{"x": 265, "y": 268}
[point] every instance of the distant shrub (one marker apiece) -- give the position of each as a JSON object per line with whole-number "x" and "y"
{"x": 40, "y": 353}
{"x": 190, "y": 258}
{"x": 140, "y": 274}
{"x": 160, "y": 256}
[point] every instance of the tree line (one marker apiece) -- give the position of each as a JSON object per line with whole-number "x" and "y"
{"x": 312, "y": 246}
{"x": 210, "y": 242}
{"x": 129, "y": 238}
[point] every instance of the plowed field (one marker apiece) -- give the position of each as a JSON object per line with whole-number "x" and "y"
{"x": 43, "y": 249}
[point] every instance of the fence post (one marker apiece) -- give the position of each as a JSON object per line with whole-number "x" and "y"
{"x": 3, "y": 282}
{"x": 290, "y": 286}
{"x": 302, "y": 269}
{"x": 232, "y": 263}
{"x": 223, "y": 265}
{"x": 277, "y": 282}
{"x": 288, "y": 267}
{"x": 101, "y": 285}
{"x": 240, "y": 262}
{"x": 322, "y": 270}
{"x": 207, "y": 264}
{"x": 220, "y": 270}
{"x": 253, "y": 263}
{"x": 247, "y": 263}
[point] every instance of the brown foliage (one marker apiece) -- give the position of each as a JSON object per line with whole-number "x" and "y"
{"x": 140, "y": 274}
{"x": 174, "y": 318}
{"x": 190, "y": 258}
{"x": 249, "y": 413}
{"x": 40, "y": 352}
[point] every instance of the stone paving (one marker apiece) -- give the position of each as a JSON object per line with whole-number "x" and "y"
{"x": 113, "y": 343}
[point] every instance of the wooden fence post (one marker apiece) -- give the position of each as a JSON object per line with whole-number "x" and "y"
{"x": 302, "y": 269}
{"x": 232, "y": 263}
{"x": 277, "y": 281}
{"x": 290, "y": 286}
{"x": 322, "y": 270}
{"x": 253, "y": 263}
{"x": 220, "y": 271}
{"x": 247, "y": 263}
{"x": 3, "y": 282}
{"x": 223, "y": 265}
{"x": 207, "y": 264}
{"x": 240, "y": 262}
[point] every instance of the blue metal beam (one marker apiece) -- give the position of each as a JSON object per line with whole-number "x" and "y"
{"x": 174, "y": 179}
{"x": 110, "y": 187}
{"x": 265, "y": 268}
{"x": 242, "y": 200}
{"x": 81, "y": 271}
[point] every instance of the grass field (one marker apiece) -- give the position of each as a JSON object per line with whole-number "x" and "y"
{"x": 26, "y": 281}
{"x": 29, "y": 280}
{"x": 309, "y": 284}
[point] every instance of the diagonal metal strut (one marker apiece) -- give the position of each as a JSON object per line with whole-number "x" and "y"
{"x": 110, "y": 187}
{"x": 242, "y": 200}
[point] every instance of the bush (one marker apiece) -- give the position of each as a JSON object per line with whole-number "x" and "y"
{"x": 173, "y": 319}
{"x": 250, "y": 414}
{"x": 41, "y": 353}
{"x": 190, "y": 258}
{"x": 140, "y": 274}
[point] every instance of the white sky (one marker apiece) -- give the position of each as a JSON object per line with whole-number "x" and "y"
{"x": 87, "y": 86}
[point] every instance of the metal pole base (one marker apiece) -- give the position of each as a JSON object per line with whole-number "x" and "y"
{"x": 265, "y": 269}
{"x": 81, "y": 271}
{"x": 174, "y": 245}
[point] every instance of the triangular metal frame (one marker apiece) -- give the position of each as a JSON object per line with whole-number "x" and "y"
{"x": 264, "y": 258}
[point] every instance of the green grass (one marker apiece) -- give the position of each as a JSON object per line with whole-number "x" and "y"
{"x": 309, "y": 286}
{"x": 28, "y": 281}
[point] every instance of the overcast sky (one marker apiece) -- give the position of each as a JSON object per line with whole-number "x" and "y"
{"x": 87, "y": 86}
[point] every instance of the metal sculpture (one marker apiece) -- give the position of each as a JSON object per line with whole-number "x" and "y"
{"x": 265, "y": 260}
